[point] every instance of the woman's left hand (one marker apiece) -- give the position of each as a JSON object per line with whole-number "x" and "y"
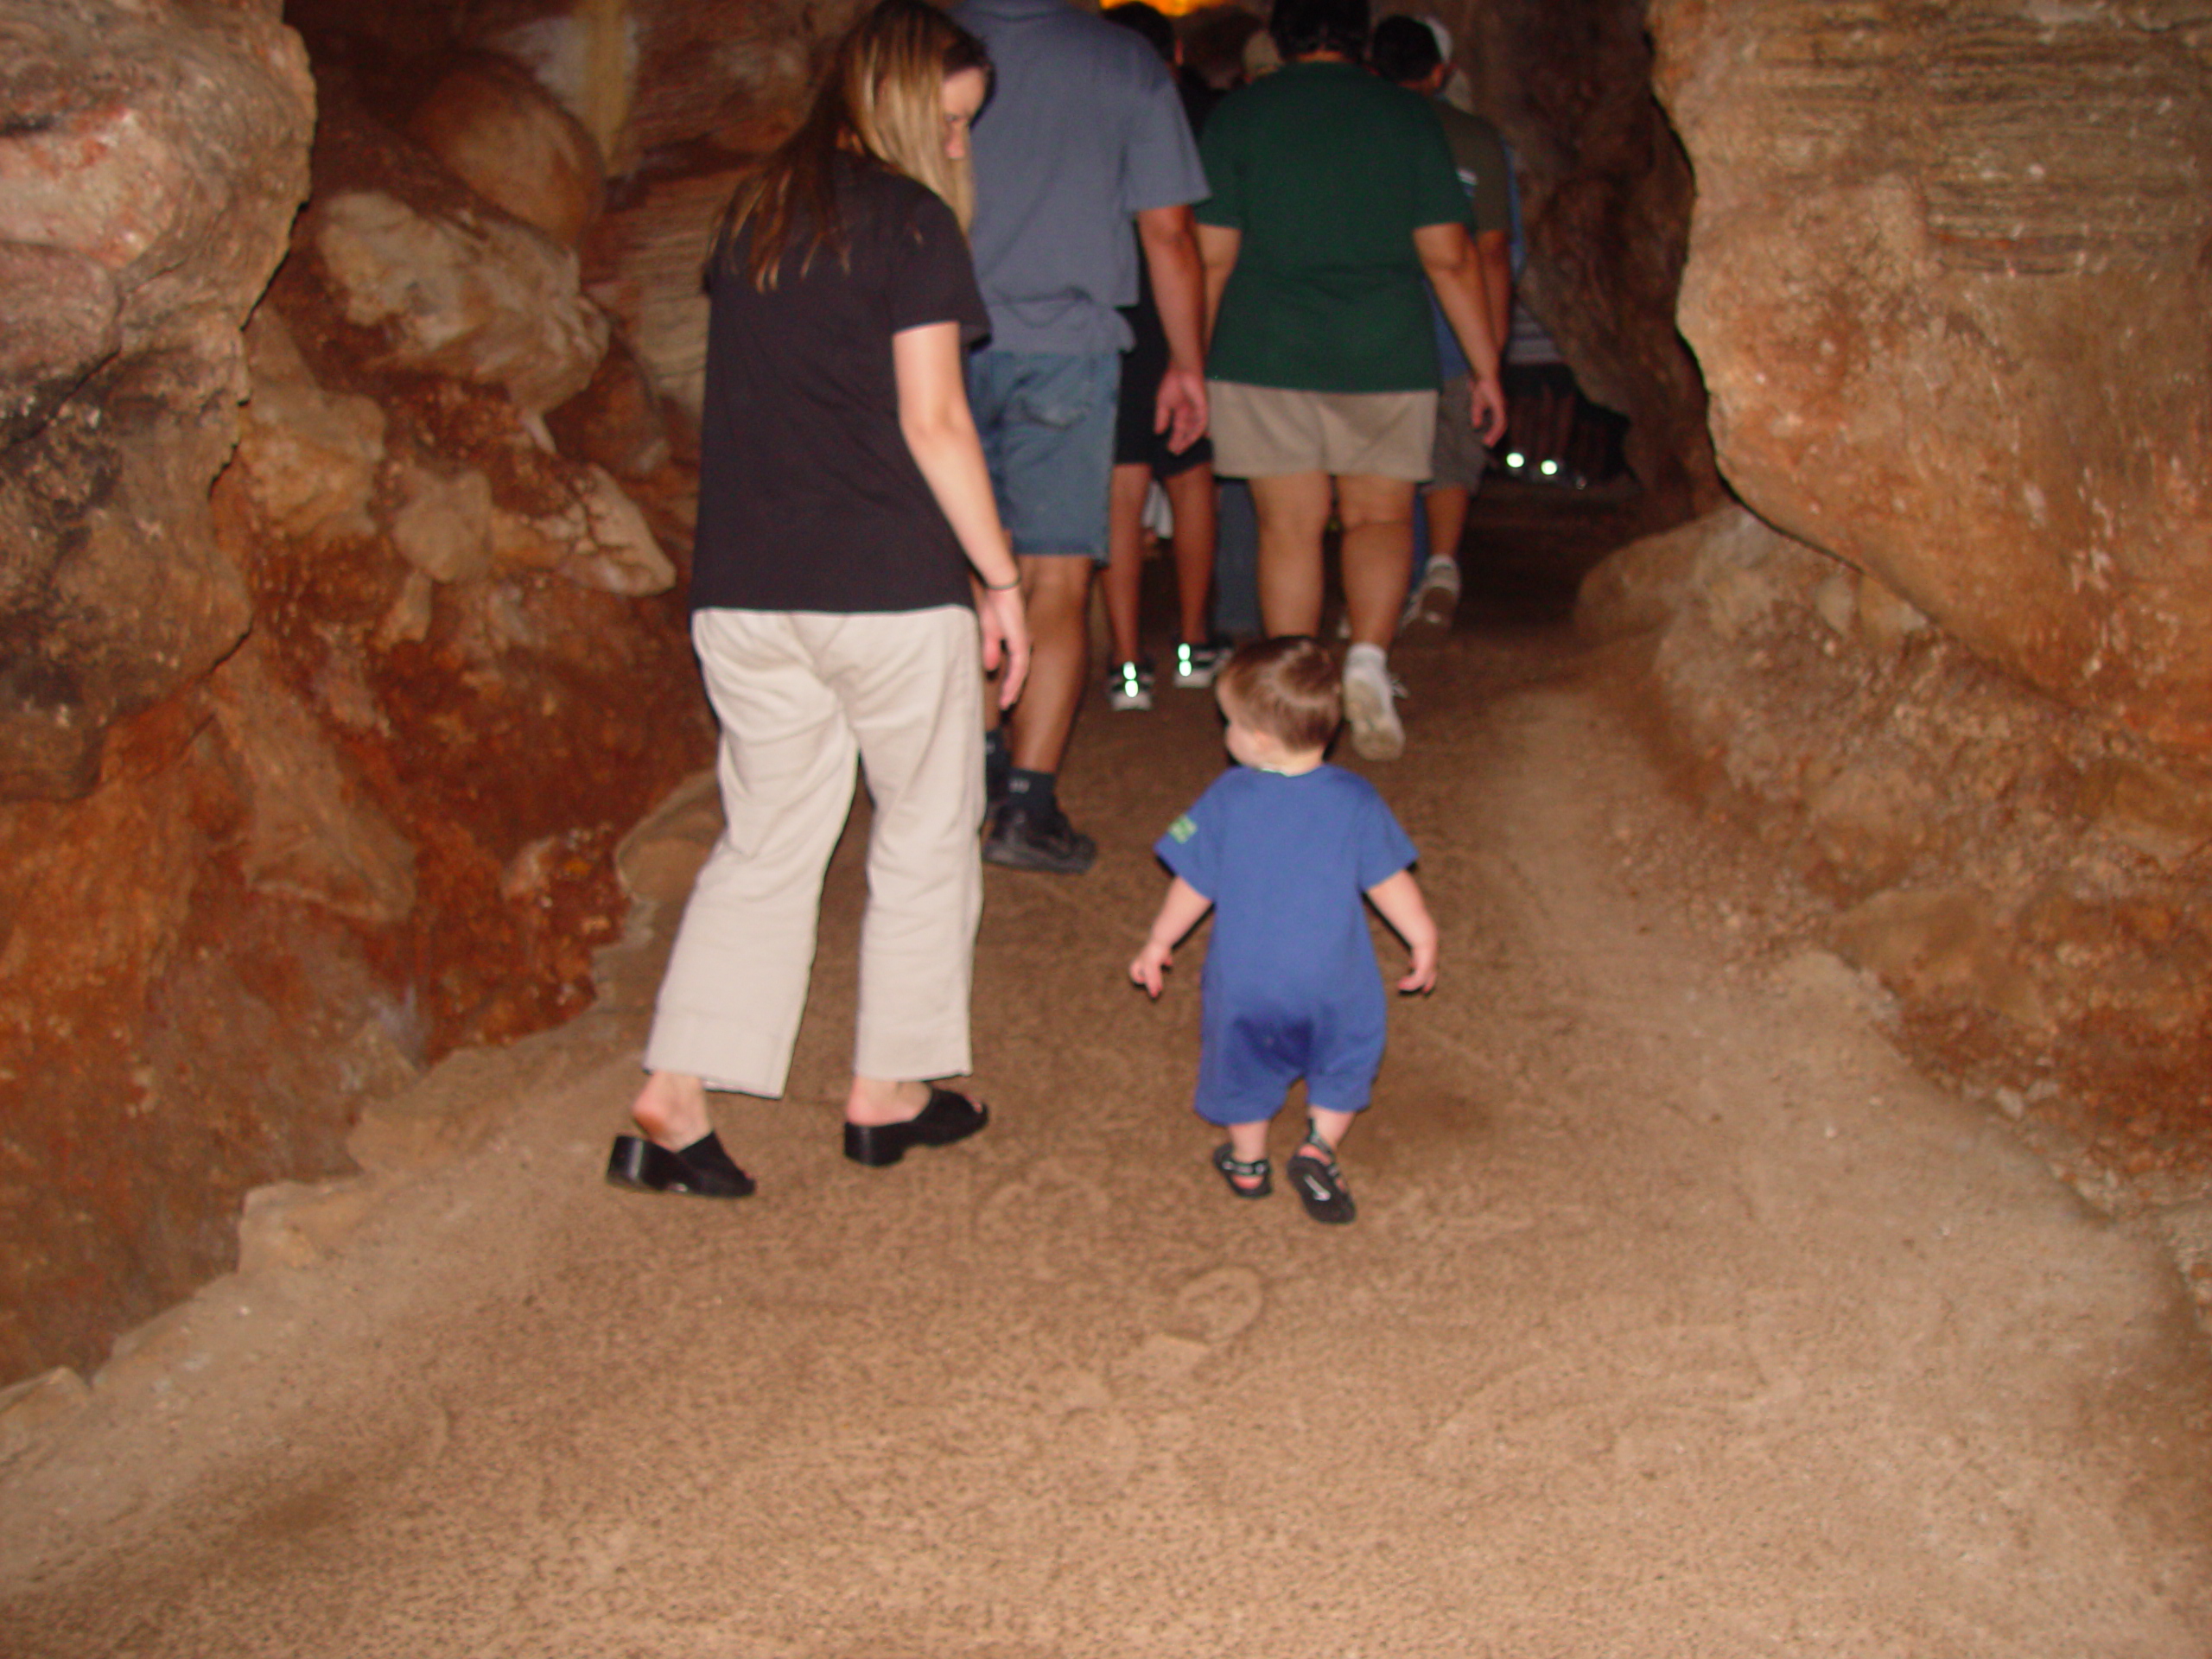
{"x": 1006, "y": 638}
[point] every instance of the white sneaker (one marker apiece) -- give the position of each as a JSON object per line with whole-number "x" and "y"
{"x": 1430, "y": 607}
{"x": 1369, "y": 706}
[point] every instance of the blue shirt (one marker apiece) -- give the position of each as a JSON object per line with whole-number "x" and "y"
{"x": 1286, "y": 862}
{"x": 1083, "y": 128}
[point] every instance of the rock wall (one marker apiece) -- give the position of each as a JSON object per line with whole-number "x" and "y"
{"x": 1949, "y": 287}
{"x": 1606, "y": 197}
{"x": 2032, "y": 886}
{"x": 331, "y": 674}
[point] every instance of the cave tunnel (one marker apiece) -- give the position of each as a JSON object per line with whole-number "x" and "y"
{"x": 351, "y": 367}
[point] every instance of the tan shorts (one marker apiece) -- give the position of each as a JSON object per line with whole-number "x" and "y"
{"x": 1267, "y": 431}
{"x": 1459, "y": 458}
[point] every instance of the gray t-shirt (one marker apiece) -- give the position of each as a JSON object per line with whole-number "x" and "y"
{"x": 1083, "y": 128}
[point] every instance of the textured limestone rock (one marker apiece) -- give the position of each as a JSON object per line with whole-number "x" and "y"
{"x": 2027, "y": 883}
{"x": 149, "y": 166}
{"x": 1605, "y": 194}
{"x": 612, "y": 548}
{"x": 443, "y": 525}
{"x": 617, "y": 421}
{"x": 646, "y": 261}
{"x": 270, "y": 779}
{"x": 1947, "y": 287}
{"x": 1942, "y": 940}
{"x": 645, "y": 75}
{"x": 291, "y": 1224}
{"x": 308, "y": 457}
{"x": 32, "y": 1410}
{"x": 510, "y": 141}
{"x": 61, "y": 318}
{"x": 464, "y": 294}
{"x": 309, "y": 832}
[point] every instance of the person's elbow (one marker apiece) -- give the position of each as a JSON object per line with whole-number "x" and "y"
{"x": 931, "y": 429}
{"x": 1445, "y": 250}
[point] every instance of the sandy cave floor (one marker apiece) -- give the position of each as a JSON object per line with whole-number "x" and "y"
{"x": 1682, "y": 1317}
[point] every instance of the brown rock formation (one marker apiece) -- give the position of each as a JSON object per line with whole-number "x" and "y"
{"x": 1949, "y": 289}
{"x": 314, "y": 776}
{"x": 509, "y": 140}
{"x": 2029, "y": 883}
{"x": 148, "y": 168}
{"x": 1605, "y": 205}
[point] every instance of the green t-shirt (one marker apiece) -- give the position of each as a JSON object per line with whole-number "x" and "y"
{"x": 1326, "y": 172}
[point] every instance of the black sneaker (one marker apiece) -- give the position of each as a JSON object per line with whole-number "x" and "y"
{"x": 1196, "y": 665}
{"x": 1025, "y": 837}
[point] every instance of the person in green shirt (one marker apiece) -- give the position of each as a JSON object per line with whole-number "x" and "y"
{"x": 1334, "y": 195}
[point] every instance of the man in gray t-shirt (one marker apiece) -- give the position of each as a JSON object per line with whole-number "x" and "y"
{"x": 1083, "y": 133}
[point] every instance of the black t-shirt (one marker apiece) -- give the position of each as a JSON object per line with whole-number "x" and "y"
{"x": 809, "y": 498}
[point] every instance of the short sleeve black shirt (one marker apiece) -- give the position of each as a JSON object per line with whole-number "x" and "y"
{"x": 809, "y": 498}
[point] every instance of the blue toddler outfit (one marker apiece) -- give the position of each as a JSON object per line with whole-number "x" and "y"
{"x": 1292, "y": 986}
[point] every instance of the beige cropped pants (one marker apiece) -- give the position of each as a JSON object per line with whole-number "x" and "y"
{"x": 800, "y": 696}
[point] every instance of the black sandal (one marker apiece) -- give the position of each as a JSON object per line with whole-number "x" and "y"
{"x": 946, "y": 1118}
{"x": 1312, "y": 1170}
{"x": 1234, "y": 1169}
{"x": 702, "y": 1170}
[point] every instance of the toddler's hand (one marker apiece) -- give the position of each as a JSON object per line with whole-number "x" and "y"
{"x": 1150, "y": 965}
{"x": 1421, "y": 976}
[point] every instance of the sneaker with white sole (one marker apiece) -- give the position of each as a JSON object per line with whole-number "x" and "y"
{"x": 1196, "y": 665}
{"x": 1128, "y": 687}
{"x": 1369, "y": 706}
{"x": 1430, "y": 607}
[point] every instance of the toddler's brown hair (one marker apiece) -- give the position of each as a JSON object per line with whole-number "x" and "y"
{"x": 1288, "y": 687}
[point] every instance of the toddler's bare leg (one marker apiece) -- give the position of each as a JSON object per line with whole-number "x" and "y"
{"x": 1330, "y": 1126}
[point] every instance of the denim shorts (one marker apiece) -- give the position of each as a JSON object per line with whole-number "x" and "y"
{"x": 1046, "y": 420}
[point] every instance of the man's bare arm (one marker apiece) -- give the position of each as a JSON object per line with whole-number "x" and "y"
{"x": 1170, "y": 254}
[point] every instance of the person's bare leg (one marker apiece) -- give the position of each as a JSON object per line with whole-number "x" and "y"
{"x": 1293, "y": 513}
{"x": 1190, "y": 497}
{"x": 1124, "y": 578}
{"x": 874, "y": 1100}
{"x": 1330, "y": 1126}
{"x": 1377, "y": 515}
{"x": 671, "y": 1110}
{"x": 1057, "y": 588}
{"x": 1447, "y": 520}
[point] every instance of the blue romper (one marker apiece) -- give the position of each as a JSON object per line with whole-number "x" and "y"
{"x": 1292, "y": 986}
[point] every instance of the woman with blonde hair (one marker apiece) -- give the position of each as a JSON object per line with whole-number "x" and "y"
{"x": 843, "y": 509}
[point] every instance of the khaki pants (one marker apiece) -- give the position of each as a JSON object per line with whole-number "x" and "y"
{"x": 799, "y": 695}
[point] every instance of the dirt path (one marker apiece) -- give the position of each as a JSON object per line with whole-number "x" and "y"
{"x": 1681, "y": 1318}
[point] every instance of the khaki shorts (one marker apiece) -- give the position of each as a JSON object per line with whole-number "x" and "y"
{"x": 1269, "y": 431}
{"x": 1459, "y": 459}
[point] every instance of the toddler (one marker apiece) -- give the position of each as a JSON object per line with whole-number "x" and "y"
{"x": 1280, "y": 847}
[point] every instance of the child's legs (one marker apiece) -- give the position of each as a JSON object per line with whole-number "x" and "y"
{"x": 1327, "y": 1126}
{"x": 1347, "y": 1053}
{"x": 1248, "y": 1142}
{"x": 1247, "y": 1061}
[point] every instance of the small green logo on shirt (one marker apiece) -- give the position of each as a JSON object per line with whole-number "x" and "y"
{"x": 1182, "y": 829}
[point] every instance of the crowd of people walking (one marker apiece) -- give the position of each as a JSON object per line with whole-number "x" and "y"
{"x": 1017, "y": 265}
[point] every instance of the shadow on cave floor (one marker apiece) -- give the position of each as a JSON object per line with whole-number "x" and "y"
{"x": 1672, "y": 1305}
